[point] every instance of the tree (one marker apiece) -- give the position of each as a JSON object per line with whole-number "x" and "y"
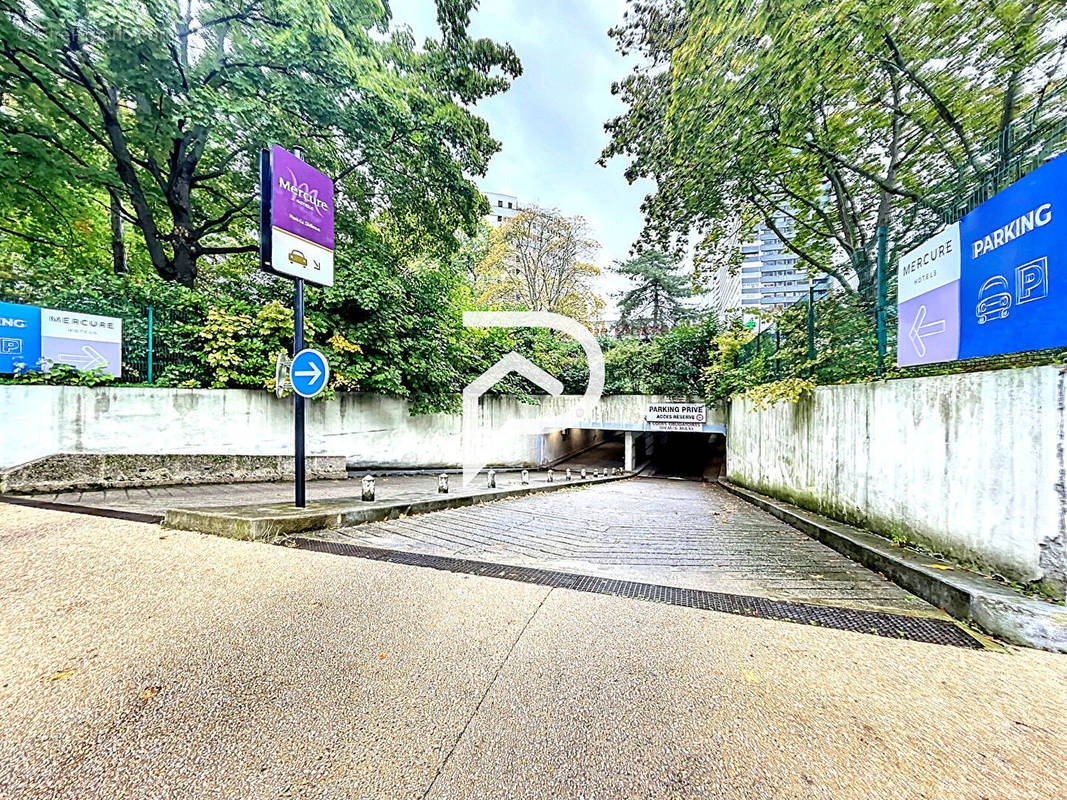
{"x": 164, "y": 106}
{"x": 659, "y": 291}
{"x": 843, "y": 117}
{"x": 539, "y": 261}
{"x": 671, "y": 363}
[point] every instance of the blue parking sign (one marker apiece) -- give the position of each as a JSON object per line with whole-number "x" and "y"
{"x": 20, "y": 337}
{"x": 1013, "y": 277}
{"x": 309, "y": 373}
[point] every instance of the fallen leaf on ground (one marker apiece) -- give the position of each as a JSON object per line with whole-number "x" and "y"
{"x": 59, "y": 676}
{"x": 150, "y": 692}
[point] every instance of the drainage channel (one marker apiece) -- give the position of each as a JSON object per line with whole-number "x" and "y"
{"x": 92, "y": 511}
{"x": 893, "y": 626}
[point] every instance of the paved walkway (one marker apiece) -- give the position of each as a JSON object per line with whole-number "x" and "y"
{"x": 157, "y": 499}
{"x": 388, "y": 487}
{"x": 675, "y": 533}
{"x": 137, "y": 663}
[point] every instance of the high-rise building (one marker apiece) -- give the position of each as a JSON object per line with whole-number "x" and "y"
{"x": 724, "y": 292}
{"x": 768, "y": 277}
{"x": 502, "y": 207}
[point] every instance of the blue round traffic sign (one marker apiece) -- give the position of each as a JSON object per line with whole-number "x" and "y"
{"x": 309, "y": 372}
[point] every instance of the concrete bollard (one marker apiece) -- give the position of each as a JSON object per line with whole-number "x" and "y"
{"x": 442, "y": 483}
{"x": 551, "y": 477}
{"x": 368, "y": 488}
{"x": 568, "y": 473}
{"x": 490, "y": 482}
{"x": 526, "y": 477}
{"x": 596, "y": 472}
{"x": 614, "y": 470}
{"x": 584, "y": 476}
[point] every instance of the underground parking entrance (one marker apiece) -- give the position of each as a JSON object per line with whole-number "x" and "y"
{"x": 689, "y": 456}
{"x": 695, "y": 456}
{"x": 685, "y": 542}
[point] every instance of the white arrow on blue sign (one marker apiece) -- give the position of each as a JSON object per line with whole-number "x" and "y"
{"x": 309, "y": 373}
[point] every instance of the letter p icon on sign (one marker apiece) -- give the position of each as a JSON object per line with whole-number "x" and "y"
{"x": 1031, "y": 280}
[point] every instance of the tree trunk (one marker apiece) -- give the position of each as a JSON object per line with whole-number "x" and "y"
{"x": 183, "y": 264}
{"x": 118, "y": 235}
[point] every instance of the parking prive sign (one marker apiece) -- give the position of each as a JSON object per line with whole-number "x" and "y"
{"x": 992, "y": 283}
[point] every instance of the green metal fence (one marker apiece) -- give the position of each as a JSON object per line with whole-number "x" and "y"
{"x": 161, "y": 343}
{"x": 834, "y": 339}
{"x": 841, "y": 337}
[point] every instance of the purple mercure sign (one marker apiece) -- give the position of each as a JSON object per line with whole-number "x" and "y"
{"x": 301, "y": 220}
{"x": 302, "y": 203}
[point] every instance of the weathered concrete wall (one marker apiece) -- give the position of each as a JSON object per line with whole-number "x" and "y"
{"x": 967, "y": 465}
{"x": 66, "y": 471}
{"x": 369, "y": 429}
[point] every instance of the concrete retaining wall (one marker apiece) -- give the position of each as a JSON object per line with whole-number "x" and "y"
{"x": 370, "y": 430}
{"x": 82, "y": 471}
{"x": 971, "y": 466}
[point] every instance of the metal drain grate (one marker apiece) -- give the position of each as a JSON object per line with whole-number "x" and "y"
{"x": 893, "y": 626}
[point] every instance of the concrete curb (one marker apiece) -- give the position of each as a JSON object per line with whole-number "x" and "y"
{"x": 972, "y": 598}
{"x": 269, "y": 522}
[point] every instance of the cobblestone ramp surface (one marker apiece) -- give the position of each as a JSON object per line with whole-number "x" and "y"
{"x": 674, "y": 533}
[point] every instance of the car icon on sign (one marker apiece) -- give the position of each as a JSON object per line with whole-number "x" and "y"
{"x": 993, "y": 300}
{"x": 296, "y": 257}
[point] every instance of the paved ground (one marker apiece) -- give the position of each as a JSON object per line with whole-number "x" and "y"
{"x": 676, "y": 533}
{"x": 156, "y": 500}
{"x": 398, "y": 488}
{"x": 139, "y": 663}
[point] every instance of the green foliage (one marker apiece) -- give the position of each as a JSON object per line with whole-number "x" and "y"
{"x": 671, "y": 363}
{"x": 540, "y": 260}
{"x": 61, "y": 375}
{"x": 658, "y": 292}
{"x": 723, "y": 378}
{"x": 824, "y": 121}
{"x": 244, "y": 361}
{"x": 159, "y": 110}
{"x": 791, "y": 390}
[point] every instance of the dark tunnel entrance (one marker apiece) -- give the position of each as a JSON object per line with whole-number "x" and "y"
{"x": 690, "y": 456}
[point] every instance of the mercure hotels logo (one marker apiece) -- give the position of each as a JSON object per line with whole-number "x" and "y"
{"x": 303, "y": 194}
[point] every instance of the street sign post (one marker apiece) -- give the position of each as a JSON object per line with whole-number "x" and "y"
{"x": 993, "y": 283}
{"x": 296, "y": 240}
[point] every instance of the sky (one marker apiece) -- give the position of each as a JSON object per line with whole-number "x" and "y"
{"x": 550, "y": 123}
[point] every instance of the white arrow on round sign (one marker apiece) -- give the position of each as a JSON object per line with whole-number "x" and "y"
{"x": 309, "y": 372}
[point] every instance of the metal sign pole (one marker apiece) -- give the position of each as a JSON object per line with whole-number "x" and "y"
{"x": 298, "y": 400}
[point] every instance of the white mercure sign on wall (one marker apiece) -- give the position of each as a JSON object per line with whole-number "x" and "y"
{"x": 676, "y": 416}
